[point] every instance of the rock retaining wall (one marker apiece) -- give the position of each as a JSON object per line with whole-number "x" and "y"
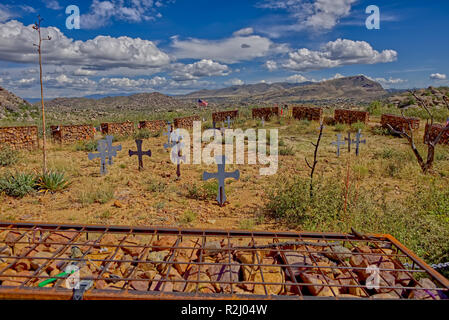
{"x": 123, "y": 128}
{"x": 398, "y": 122}
{"x": 153, "y": 125}
{"x": 186, "y": 122}
{"x": 223, "y": 115}
{"x": 19, "y": 137}
{"x": 436, "y": 129}
{"x": 351, "y": 116}
{"x": 265, "y": 113}
{"x": 308, "y": 113}
{"x": 70, "y": 134}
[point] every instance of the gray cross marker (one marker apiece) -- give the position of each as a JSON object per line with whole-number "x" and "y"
{"x": 348, "y": 139}
{"x": 177, "y": 147}
{"x": 357, "y": 141}
{"x": 139, "y": 153}
{"x": 338, "y": 143}
{"x": 169, "y": 144}
{"x": 221, "y": 175}
{"x": 229, "y": 122}
{"x": 263, "y": 122}
{"x": 102, "y": 154}
{"x": 112, "y": 150}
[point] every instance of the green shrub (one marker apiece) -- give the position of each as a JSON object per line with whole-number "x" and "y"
{"x": 8, "y": 156}
{"x": 247, "y": 224}
{"x": 340, "y": 127}
{"x": 287, "y": 151}
{"x": 142, "y": 134}
{"x": 156, "y": 186}
{"x": 53, "y": 181}
{"x": 86, "y": 145}
{"x": 208, "y": 190}
{"x": 420, "y": 221}
{"x": 358, "y": 126}
{"x": 380, "y": 131}
{"x": 17, "y": 184}
{"x": 188, "y": 217}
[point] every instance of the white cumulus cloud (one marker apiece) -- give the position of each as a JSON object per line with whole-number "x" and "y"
{"x": 337, "y": 53}
{"x": 438, "y": 76}
{"x": 229, "y": 50}
{"x": 271, "y": 65}
{"x": 234, "y": 82}
{"x": 297, "y": 78}
{"x": 199, "y": 69}
{"x": 102, "y": 13}
{"x": 312, "y": 14}
{"x": 102, "y": 52}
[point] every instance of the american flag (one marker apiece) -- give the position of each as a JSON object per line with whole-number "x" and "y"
{"x": 202, "y": 103}
{"x": 447, "y": 122}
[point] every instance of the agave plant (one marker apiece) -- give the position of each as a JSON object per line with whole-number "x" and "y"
{"x": 17, "y": 184}
{"x": 52, "y": 181}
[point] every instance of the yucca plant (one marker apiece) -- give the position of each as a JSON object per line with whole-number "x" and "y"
{"x": 52, "y": 181}
{"x": 17, "y": 184}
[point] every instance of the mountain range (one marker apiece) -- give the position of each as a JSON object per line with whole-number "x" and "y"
{"x": 341, "y": 91}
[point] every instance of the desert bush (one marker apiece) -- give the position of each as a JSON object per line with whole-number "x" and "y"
{"x": 247, "y": 224}
{"x": 142, "y": 134}
{"x": 86, "y": 145}
{"x": 17, "y": 184}
{"x": 358, "y": 126}
{"x": 287, "y": 151}
{"x": 188, "y": 217}
{"x": 380, "y": 131}
{"x": 339, "y": 127}
{"x": 53, "y": 181}
{"x": 156, "y": 186}
{"x": 421, "y": 221}
{"x": 8, "y": 156}
{"x": 208, "y": 190}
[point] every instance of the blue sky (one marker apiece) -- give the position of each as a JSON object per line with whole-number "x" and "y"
{"x": 179, "y": 46}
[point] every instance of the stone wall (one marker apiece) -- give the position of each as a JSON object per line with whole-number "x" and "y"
{"x": 351, "y": 116}
{"x": 223, "y": 115}
{"x": 19, "y": 137}
{"x": 309, "y": 113}
{"x": 122, "y": 129}
{"x": 436, "y": 129}
{"x": 265, "y": 113}
{"x": 70, "y": 134}
{"x": 153, "y": 125}
{"x": 398, "y": 122}
{"x": 186, "y": 122}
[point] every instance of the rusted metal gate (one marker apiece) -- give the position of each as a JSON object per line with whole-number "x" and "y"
{"x": 121, "y": 262}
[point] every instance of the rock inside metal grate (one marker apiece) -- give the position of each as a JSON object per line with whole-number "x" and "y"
{"x": 166, "y": 263}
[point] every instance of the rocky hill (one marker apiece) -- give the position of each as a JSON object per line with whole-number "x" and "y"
{"x": 12, "y": 106}
{"x": 137, "y": 102}
{"x": 348, "y": 89}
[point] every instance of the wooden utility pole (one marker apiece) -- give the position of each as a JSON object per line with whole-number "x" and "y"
{"x": 37, "y": 27}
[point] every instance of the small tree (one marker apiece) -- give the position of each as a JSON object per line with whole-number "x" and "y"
{"x": 315, "y": 158}
{"x": 436, "y": 98}
{"x": 37, "y": 27}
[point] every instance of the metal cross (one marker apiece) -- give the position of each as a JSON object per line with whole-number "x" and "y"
{"x": 169, "y": 143}
{"x": 357, "y": 141}
{"x": 221, "y": 175}
{"x": 338, "y": 143}
{"x": 263, "y": 121}
{"x": 112, "y": 150}
{"x": 177, "y": 151}
{"x": 214, "y": 126}
{"x": 102, "y": 154}
{"x": 228, "y": 120}
{"x": 348, "y": 139}
{"x": 139, "y": 153}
